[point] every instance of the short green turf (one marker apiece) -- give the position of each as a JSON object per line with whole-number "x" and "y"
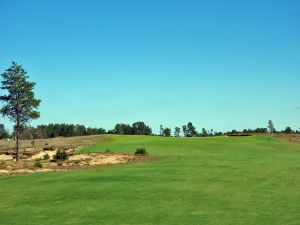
{"x": 220, "y": 180}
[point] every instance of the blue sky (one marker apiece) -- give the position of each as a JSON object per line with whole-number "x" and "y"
{"x": 220, "y": 64}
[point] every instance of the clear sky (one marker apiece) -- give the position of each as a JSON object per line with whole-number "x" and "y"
{"x": 220, "y": 64}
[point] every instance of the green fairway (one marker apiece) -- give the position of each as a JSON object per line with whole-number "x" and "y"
{"x": 220, "y": 180}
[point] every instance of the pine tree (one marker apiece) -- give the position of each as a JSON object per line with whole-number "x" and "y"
{"x": 20, "y": 103}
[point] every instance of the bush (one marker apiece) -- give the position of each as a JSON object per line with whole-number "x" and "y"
{"x": 60, "y": 155}
{"x": 141, "y": 151}
{"x": 38, "y": 164}
{"x": 46, "y": 156}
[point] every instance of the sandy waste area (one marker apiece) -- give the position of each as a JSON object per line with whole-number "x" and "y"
{"x": 77, "y": 161}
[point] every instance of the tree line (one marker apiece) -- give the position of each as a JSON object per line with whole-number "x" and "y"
{"x": 60, "y": 130}
{"x": 137, "y": 128}
{"x": 189, "y": 130}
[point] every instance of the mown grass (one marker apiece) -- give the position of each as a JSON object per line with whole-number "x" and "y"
{"x": 237, "y": 180}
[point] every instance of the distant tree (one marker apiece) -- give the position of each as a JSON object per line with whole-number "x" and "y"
{"x": 248, "y": 131}
{"x": 177, "y": 132}
{"x": 261, "y": 130}
{"x": 3, "y": 132}
{"x": 191, "y": 130}
{"x": 140, "y": 128}
{"x": 123, "y": 129}
{"x": 39, "y": 133}
{"x": 28, "y": 133}
{"x": 65, "y": 130}
{"x": 101, "y": 131}
{"x": 271, "y": 127}
{"x": 80, "y": 130}
{"x": 218, "y": 133}
{"x": 184, "y": 129}
{"x": 233, "y": 132}
{"x": 161, "y": 130}
{"x": 167, "y": 132}
{"x": 204, "y": 133}
{"x": 112, "y": 131}
{"x": 20, "y": 103}
{"x": 119, "y": 129}
{"x": 288, "y": 130}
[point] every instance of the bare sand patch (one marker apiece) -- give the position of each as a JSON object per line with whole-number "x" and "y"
{"x": 6, "y": 157}
{"x": 79, "y": 161}
{"x": 41, "y": 154}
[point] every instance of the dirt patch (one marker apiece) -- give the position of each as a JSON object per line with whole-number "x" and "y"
{"x": 6, "y": 157}
{"x": 78, "y": 161}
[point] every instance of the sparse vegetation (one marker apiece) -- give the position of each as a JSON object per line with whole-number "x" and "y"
{"x": 60, "y": 155}
{"x": 46, "y": 156}
{"x": 108, "y": 151}
{"x": 38, "y": 164}
{"x": 141, "y": 151}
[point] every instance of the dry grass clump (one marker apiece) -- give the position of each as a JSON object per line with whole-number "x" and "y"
{"x": 290, "y": 137}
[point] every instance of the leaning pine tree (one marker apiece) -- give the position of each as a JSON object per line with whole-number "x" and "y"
{"x": 19, "y": 102}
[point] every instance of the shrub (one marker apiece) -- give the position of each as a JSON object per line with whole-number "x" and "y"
{"x": 108, "y": 151}
{"x": 46, "y": 156}
{"x": 141, "y": 151}
{"x": 60, "y": 155}
{"x": 38, "y": 164}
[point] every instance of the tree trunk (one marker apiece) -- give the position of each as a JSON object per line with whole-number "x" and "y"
{"x": 17, "y": 146}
